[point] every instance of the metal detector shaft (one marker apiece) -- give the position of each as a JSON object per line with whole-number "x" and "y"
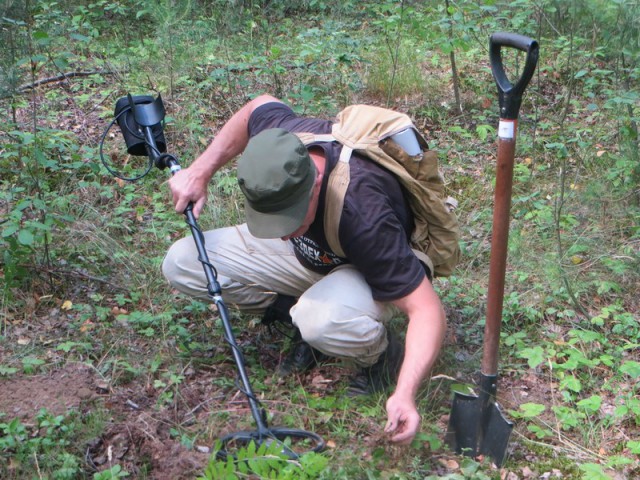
{"x": 140, "y": 120}
{"x": 215, "y": 293}
{"x": 213, "y": 287}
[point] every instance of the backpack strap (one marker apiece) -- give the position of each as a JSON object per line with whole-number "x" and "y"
{"x": 309, "y": 138}
{"x": 336, "y": 189}
{"x": 334, "y": 200}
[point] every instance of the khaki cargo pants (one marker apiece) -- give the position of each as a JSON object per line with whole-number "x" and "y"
{"x": 335, "y": 313}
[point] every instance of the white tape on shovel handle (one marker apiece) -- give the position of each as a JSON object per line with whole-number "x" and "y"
{"x": 507, "y": 129}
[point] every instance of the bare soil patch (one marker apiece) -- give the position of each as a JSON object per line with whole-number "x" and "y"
{"x": 140, "y": 434}
{"x": 71, "y": 388}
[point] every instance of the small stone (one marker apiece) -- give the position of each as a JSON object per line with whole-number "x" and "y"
{"x": 84, "y": 393}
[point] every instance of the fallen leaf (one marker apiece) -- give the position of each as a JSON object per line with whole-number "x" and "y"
{"x": 24, "y": 341}
{"x": 87, "y": 325}
{"x": 448, "y": 463}
{"x": 319, "y": 380}
{"x": 118, "y": 311}
{"x": 331, "y": 444}
{"x": 102, "y": 386}
{"x": 577, "y": 259}
{"x": 600, "y": 153}
{"x": 555, "y": 473}
{"x": 67, "y": 305}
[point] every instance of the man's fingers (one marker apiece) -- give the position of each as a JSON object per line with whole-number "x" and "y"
{"x": 199, "y": 205}
{"x": 185, "y": 189}
{"x": 390, "y": 426}
{"x": 402, "y": 425}
{"x": 403, "y": 438}
{"x": 181, "y": 206}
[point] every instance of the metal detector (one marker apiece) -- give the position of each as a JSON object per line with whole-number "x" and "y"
{"x": 140, "y": 119}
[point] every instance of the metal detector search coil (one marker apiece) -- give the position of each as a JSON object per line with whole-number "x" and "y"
{"x": 141, "y": 122}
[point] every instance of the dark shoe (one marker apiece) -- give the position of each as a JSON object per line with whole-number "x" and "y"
{"x": 278, "y": 311}
{"x": 379, "y": 376}
{"x": 302, "y": 358}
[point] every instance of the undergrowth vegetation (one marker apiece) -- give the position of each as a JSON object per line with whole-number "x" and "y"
{"x": 81, "y": 251}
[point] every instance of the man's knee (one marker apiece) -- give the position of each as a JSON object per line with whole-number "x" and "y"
{"x": 314, "y": 325}
{"x": 339, "y": 331}
{"x": 178, "y": 261}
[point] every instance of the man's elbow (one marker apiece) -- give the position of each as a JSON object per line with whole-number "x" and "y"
{"x": 262, "y": 99}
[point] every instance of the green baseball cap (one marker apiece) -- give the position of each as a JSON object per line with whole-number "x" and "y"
{"x": 276, "y": 176}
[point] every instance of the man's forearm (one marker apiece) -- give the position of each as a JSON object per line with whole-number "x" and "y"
{"x": 423, "y": 340}
{"x": 230, "y": 141}
{"x": 190, "y": 185}
{"x": 422, "y": 346}
{"x": 425, "y": 333}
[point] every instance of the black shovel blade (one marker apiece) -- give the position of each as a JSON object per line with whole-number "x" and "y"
{"x": 478, "y": 427}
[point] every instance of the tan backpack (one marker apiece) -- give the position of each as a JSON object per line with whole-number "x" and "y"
{"x": 367, "y": 130}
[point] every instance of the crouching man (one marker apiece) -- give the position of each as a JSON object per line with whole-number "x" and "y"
{"x": 281, "y": 256}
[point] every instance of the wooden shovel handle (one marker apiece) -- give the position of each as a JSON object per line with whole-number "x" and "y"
{"x": 498, "y": 261}
{"x": 510, "y": 99}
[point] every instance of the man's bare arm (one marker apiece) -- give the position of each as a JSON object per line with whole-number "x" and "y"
{"x": 190, "y": 184}
{"x": 425, "y": 332}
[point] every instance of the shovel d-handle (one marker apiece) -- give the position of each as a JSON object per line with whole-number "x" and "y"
{"x": 510, "y": 95}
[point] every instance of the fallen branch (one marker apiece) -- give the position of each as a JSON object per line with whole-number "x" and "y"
{"x": 59, "y": 78}
{"x": 72, "y": 273}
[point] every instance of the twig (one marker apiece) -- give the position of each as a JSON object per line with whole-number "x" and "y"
{"x": 568, "y": 447}
{"x": 452, "y": 60}
{"x": 558, "y": 215}
{"x": 74, "y": 273}
{"x": 560, "y": 199}
{"x": 394, "y": 53}
{"x": 35, "y": 457}
{"x": 58, "y": 78}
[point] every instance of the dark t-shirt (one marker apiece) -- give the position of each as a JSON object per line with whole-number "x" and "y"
{"x": 376, "y": 221}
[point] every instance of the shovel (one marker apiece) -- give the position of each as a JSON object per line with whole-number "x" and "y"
{"x": 476, "y": 424}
